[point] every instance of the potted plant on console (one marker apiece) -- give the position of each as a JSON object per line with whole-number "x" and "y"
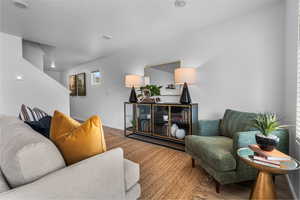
{"x": 148, "y": 93}
{"x": 266, "y": 124}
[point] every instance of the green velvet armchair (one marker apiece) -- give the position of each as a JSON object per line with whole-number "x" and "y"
{"x": 216, "y": 144}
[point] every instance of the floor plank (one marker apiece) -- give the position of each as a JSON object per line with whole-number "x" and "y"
{"x": 168, "y": 174}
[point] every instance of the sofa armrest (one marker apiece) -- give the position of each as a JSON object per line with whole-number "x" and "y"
{"x": 99, "y": 177}
{"x": 208, "y": 127}
{"x": 243, "y": 139}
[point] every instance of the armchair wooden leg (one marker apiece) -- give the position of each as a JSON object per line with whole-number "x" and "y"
{"x": 193, "y": 162}
{"x": 218, "y": 185}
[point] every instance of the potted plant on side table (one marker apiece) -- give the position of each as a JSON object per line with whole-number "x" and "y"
{"x": 266, "y": 124}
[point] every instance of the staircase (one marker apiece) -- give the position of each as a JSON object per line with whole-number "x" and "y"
{"x": 23, "y": 83}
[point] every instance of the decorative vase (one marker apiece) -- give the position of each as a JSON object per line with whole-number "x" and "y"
{"x": 185, "y": 96}
{"x": 180, "y": 133}
{"x": 266, "y": 143}
{"x": 133, "y": 98}
{"x": 174, "y": 128}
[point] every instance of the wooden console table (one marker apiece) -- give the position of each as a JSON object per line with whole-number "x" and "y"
{"x": 153, "y": 122}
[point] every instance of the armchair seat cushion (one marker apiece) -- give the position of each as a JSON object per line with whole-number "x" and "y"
{"x": 215, "y": 150}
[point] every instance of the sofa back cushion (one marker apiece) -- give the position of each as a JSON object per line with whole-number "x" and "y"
{"x": 235, "y": 121}
{"x": 25, "y": 155}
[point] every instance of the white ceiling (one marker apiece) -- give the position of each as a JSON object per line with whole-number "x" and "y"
{"x": 75, "y": 27}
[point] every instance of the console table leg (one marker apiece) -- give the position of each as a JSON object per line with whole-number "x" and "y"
{"x": 264, "y": 187}
{"x": 193, "y": 162}
{"x": 218, "y": 185}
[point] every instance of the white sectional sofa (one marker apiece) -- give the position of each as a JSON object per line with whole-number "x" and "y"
{"x": 33, "y": 168}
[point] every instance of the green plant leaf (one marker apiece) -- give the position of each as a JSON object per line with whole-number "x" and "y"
{"x": 266, "y": 123}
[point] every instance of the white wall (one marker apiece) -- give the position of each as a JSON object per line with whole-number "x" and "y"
{"x": 1, "y": 56}
{"x": 33, "y": 53}
{"x": 36, "y": 88}
{"x": 240, "y": 66}
{"x": 1, "y": 75}
{"x": 1, "y": 16}
{"x": 291, "y": 36}
{"x": 56, "y": 75}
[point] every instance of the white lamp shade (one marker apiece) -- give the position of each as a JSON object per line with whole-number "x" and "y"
{"x": 185, "y": 75}
{"x": 133, "y": 80}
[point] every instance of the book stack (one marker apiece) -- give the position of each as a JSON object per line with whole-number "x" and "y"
{"x": 268, "y": 158}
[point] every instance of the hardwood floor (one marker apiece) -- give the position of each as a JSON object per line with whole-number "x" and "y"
{"x": 168, "y": 174}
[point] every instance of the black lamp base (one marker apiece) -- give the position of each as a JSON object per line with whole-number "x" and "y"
{"x": 185, "y": 96}
{"x": 133, "y": 98}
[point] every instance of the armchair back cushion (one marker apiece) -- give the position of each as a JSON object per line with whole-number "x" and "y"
{"x": 235, "y": 121}
{"x": 208, "y": 128}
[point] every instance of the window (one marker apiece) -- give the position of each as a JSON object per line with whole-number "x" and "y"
{"x": 95, "y": 78}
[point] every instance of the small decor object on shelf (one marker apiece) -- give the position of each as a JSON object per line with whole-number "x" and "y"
{"x": 174, "y": 128}
{"x": 146, "y": 93}
{"x": 157, "y": 100}
{"x": 133, "y": 81}
{"x": 165, "y": 117}
{"x": 180, "y": 133}
{"x": 267, "y": 123}
{"x": 171, "y": 87}
{"x": 133, "y": 123}
{"x": 185, "y": 76}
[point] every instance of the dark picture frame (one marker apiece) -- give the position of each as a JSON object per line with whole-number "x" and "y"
{"x": 73, "y": 85}
{"x": 81, "y": 84}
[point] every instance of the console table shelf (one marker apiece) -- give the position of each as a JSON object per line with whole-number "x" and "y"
{"x": 155, "y": 120}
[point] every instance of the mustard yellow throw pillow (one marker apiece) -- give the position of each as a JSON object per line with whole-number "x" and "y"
{"x": 77, "y": 141}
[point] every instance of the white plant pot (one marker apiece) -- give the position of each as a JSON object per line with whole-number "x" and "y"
{"x": 166, "y": 117}
{"x": 180, "y": 133}
{"x": 174, "y": 128}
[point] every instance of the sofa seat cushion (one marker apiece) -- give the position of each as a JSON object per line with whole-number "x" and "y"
{"x": 215, "y": 150}
{"x": 132, "y": 174}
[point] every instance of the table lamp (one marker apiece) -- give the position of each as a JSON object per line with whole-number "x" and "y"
{"x": 133, "y": 81}
{"x": 185, "y": 76}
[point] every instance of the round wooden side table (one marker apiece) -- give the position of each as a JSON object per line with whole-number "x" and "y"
{"x": 264, "y": 187}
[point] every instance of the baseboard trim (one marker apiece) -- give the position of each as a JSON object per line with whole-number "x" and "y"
{"x": 291, "y": 187}
{"x": 78, "y": 118}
